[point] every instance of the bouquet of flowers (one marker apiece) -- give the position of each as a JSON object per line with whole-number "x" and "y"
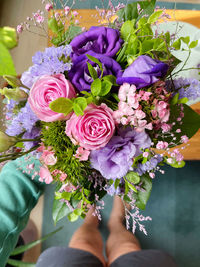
{"x": 102, "y": 109}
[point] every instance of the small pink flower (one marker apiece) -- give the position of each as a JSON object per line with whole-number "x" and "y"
{"x": 124, "y": 121}
{"x": 63, "y": 176}
{"x": 92, "y": 130}
{"x": 140, "y": 114}
{"x": 20, "y": 28}
{"x": 82, "y": 154}
{"x": 48, "y": 157}
{"x": 170, "y": 160}
{"x": 45, "y": 175}
{"x": 178, "y": 131}
{"x": 152, "y": 175}
{"x": 146, "y": 96}
{"x": 48, "y": 7}
{"x": 166, "y": 127}
{"x": 162, "y": 145}
{"x": 67, "y": 9}
{"x": 75, "y": 13}
{"x": 145, "y": 154}
{"x": 184, "y": 139}
{"x": 123, "y": 91}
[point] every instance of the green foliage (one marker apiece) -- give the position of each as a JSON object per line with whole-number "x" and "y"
{"x": 6, "y": 63}
{"x": 60, "y": 210}
{"x": 133, "y": 177}
{"x": 53, "y": 135}
{"x": 130, "y": 11}
{"x": 143, "y": 196}
{"x": 8, "y": 37}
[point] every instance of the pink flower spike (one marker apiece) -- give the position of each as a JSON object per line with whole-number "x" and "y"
{"x": 45, "y": 175}
{"x": 20, "y": 28}
{"x": 48, "y": 7}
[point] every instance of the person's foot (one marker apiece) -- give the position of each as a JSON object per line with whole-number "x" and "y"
{"x": 91, "y": 218}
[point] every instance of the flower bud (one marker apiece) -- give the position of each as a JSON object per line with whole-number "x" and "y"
{"x": 6, "y": 141}
{"x": 12, "y": 80}
{"x": 16, "y": 94}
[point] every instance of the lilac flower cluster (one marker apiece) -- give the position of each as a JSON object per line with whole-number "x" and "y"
{"x": 149, "y": 165}
{"x": 51, "y": 61}
{"x": 25, "y": 120}
{"x": 187, "y": 87}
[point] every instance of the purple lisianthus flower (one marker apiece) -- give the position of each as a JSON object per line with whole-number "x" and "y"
{"x": 79, "y": 74}
{"x": 144, "y": 71}
{"x": 115, "y": 159}
{"x": 101, "y": 40}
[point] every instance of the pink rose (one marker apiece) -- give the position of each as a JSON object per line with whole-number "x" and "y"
{"x": 45, "y": 175}
{"x": 45, "y": 90}
{"x": 92, "y": 130}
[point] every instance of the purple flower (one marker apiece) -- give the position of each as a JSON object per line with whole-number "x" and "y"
{"x": 115, "y": 159}
{"x": 101, "y": 40}
{"x": 187, "y": 87}
{"x": 144, "y": 71}
{"x": 149, "y": 165}
{"x": 80, "y": 76}
{"x": 48, "y": 62}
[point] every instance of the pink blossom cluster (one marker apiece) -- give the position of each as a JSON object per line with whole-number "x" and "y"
{"x": 143, "y": 109}
{"x": 129, "y": 108}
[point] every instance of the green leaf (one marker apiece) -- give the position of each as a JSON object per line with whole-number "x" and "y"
{"x": 20, "y": 263}
{"x": 60, "y": 210}
{"x": 177, "y": 44}
{"x": 73, "y": 217}
{"x": 6, "y": 63}
{"x": 154, "y": 17}
{"x": 129, "y": 12}
{"x": 193, "y": 44}
{"x": 183, "y": 100}
{"x": 110, "y": 78}
{"x": 72, "y": 32}
{"x": 190, "y": 122}
{"x": 96, "y": 87}
{"x": 176, "y": 164}
{"x": 132, "y": 187}
{"x": 53, "y": 25}
{"x": 133, "y": 177}
{"x": 63, "y": 195}
{"x": 95, "y": 60}
{"x": 105, "y": 88}
{"x": 174, "y": 100}
{"x": 127, "y": 28}
{"x": 30, "y": 245}
{"x": 92, "y": 71}
{"x": 62, "y": 105}
{"x": 13, "y": 81}
{"x": 81, "y": 101}
{"x": 8, "y": 37}
{"x": 186, "y": 39}
{"x": 78, "y": 110}
{"x": 117, "y": 182}
{"x": 142, "y": 197}
{"x": 78, "y": 212}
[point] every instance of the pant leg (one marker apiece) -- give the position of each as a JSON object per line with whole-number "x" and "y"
{"x": 145, "y": 258}
{"x": 67, "y": 257}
